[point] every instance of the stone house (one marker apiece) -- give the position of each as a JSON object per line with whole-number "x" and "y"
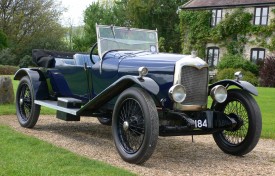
{"x": 262, "y": 15}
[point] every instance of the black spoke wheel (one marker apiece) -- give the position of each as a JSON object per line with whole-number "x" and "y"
{"x": 27, "y": 112}
{"x": 241, "y": 107}
{"x": 135, "y": 125}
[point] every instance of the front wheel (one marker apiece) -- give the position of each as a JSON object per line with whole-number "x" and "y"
{"x": 135, "y": 125}
{"x": 27, "y": 112}
{"x": 242, "y": 139}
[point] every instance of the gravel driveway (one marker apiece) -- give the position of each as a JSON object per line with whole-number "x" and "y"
{"x": 173, "y": 155}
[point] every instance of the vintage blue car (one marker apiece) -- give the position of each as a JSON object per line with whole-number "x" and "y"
{"x": 126, "y": 83}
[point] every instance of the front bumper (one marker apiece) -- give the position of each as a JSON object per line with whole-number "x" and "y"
{"x": 196, "y": 123}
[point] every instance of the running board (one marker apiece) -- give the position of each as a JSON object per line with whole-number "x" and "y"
{"x": 53, "y": 105}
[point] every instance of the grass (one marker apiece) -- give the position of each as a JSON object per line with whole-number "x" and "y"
{"x": 265, "y": 101}
{"x": 23, "y": 155}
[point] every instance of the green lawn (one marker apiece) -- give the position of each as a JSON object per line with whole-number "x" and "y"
{"x": 266, "y": 101}
{"x": 24, "y": 155}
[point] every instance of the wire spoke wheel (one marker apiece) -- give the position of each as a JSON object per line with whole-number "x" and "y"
{"x": 241, "y": 107}
{"x": 25, "y": 102}
{"x": 131, "y": 126}
{"x": 236, "y": 109}
{"x": 135, "y": 125}
{"x": 27, "y": 112}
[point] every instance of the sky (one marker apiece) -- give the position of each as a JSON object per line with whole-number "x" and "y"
{"x": 75, "y": 10}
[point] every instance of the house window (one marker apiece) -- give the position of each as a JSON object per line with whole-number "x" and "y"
{"x": 216, "y": 17}
{"x": 213, "y": 56}
{"x": 261, "y": 16}
{"x": 257, "y": 54}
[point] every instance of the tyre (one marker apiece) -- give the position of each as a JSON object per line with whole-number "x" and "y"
{"x": 135, "y": 125}
{"x": 242, "y": 107}
{"x": 105, "y": 121}
{"x": 27, "y": 112}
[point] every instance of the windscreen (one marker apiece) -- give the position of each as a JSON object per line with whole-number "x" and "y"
{"x": 122, "y": 38}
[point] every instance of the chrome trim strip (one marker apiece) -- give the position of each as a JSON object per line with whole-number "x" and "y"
{"x": 187, "y": 61}
{"x": 53, "y": 105}
{"x": 180, "y": 107}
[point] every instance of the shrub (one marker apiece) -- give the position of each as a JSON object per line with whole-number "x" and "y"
{"x": 237, "y": 61}
{"x": 7, "y": 70}
{"x": 7, "y": 57}
{"x": 25, "y": 61}
{"x": 228, "y": 73}
{"x": 267, "y": 76}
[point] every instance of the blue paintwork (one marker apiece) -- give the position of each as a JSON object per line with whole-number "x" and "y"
{"x": 38, "y": 82}
{"x": 71, "y": 79}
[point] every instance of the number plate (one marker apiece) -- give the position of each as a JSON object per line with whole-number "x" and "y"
{"x": 201, "y": 123}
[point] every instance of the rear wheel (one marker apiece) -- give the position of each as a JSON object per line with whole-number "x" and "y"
{"x": 105, "y": 121}
{"x": 27, "y": 112}
{"x": 135, "y": 125}
{"x": 242, "y": 107}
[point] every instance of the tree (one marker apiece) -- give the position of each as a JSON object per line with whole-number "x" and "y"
{"x": 3, "y": 40}
{"x": 31, "y": 23}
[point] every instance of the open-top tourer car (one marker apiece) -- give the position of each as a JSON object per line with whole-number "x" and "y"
{"x": 126, "y": 83}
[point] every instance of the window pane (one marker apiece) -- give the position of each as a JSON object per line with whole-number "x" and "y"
{"x": 219, "y": 13}
{"x": 258, "y": 12}
{"x": 218, "y": 20}
{"x": 257, "y": 20}
{"x": 213, "y": 20}
{"x": 261, "y": 55}
{"x": 254, "y": 55}
{"x": 265, "y": 11}
{"x": 264, "y": 20}
{"x": 216, "y": 57}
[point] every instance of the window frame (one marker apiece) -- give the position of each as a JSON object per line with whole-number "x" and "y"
{"x": 216, "y": 16}
{"x": 258, "y": 52}
{"x": 212, "y": 58}
{"x": 261, "y": 16}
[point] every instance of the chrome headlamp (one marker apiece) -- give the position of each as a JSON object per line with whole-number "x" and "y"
{"x": 219, "y": 93}
{"x": 177, "y": 93}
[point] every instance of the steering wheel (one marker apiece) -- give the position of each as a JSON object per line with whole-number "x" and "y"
{"x": 91, "y": 53}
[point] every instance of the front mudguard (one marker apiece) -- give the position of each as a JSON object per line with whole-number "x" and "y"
{"x": 37, "y": 79}
{"x": 241, "y": 84}
{"x": 119, "y": 86}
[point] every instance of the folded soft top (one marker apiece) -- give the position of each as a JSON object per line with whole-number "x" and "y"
{"x": 45, "y": 58}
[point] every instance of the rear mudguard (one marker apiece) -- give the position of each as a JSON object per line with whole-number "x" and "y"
{"x": 241, "y": 84}
{"x": 117, "y": 87}
{"x": 37, "y": 79}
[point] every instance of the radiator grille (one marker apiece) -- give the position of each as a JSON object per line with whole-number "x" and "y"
{"x": 196, "y": 82}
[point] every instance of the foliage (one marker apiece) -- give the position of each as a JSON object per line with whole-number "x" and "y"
{"x": 232, "y": 30}
{"x": 7, "y": 57}
{"x": 228, "y": 73}
{"x": 194, "y": 31}
{"x": 237, "y": 61}
{"x": 30, "y": 24}
{"x": 133, "y": 13}
{"x": 8, "y": 70}
{"x": 3, "y": 40}
{"x": 25, "y": 62}
{"x": 267, "y": 76}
